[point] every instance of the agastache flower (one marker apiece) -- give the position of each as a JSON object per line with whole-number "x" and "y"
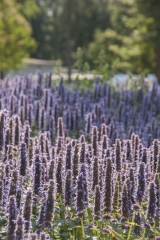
{"x": 158, "y": 163}
{"x": 141, "y": 182}
{"x": 6, "y": 143}
{"x": 116, "y": 203}
{"x": 107, "y": 188}
{"x": 31, "y": 151}
{"x": 80, "y": 196}
{"x": 75, "y": 161}
{"x": 23, "y": 159}
{"x": 33, "y": 236}
{"x": 12, "y": 216}
{"x": 118, "y": 155}
{"x": 2, "y": 129}
{"x": 82, "y": 152}
{"x": 151, "y": 209}
{"x": 1, "y": 192}
{"x": 17, "y": 128}
{"x": 60, "y": 131}
{"x": 88, "y": 124}
{"x": 68, "y": 188}
{"x": 37, "y": 174}
{"x": 51, "y": 170}
{"x": 50, "y": 204}
{"x": 125, "y": 211}
{"x": 144, "y": 156}
{"x": 69, "y": 156}
{"x": 13, "y": 183}
{"x": 95, "y": 140}
{"x": 11, "y": 127}
{"x": 155, "y": 153}
{"x": 43, "y": 236}
{"x": 27, "y": 211}
{"x": 42, "y": 119}
{"x": 27, "y": 131}
{"x": 95, "y": 172}
{"x": 83, "y": 169}
{"x": 97, "y": 203}
{"x": 59, "y": 175}
{"x": 19, "y": 231}
{"x": 157, "y": 187}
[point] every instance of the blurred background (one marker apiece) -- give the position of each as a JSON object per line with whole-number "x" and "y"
{"x": 103, "y": 37}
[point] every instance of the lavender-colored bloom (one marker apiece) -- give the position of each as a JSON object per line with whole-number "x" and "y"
{"x": 27, "y": 131}
{"x": 6, "y": 143}
{"x": 43, "y": 236}
{"x": 125, "y": 211}
{"x": 132, "y": 184}
{"x": 95, "y": 140}
{"x": 83, "y": 170}
{"x": 82, "y": 152}
{"x": 51, "y": 170}
{"x": 59, "y": 175}
{"x": 42, "y": 119}
{"x": 95, "y": 174}
{"x": 155, "y": 154}
{"x": 141, "y": 183}
{"x": 59, "y": 144}
{"x": 33, "y": 236}
{"x": 17, "y": 129}
{"x": 144, "y": 156}
{"x": 129, "y": 151}
{"x": 23, "y": 159}
{"x": 104, "y": 144}
{"x": 69, "y": 156}
{"x": 13, "y": 183}
{"x": 97, "y": 203}
{"x": 12, "y": 216}
{"x": 1, "y": 192}
{"x": 116, "y": 200}
{"x": 118, "y": 155}
{"x": 107, "y": 188}
{"x": 151, "y": 209}
{"x": 157, "y": 188}
{"x": 19, "y": 232}
{"x": 27, "y": 211}
{"x": 50, "y": 204}
{"x": 88, "y": 124}
{"x": 31, "y": 151}
{"x": 75, "y": 161}
{"x": 60, "y": 131}
{"x": 2, "y": 128}
{"x": 37, "y": 174}
{"x": 80, "y": 196}
{"x": 11, "y": 127}
{"x": 68, "y": 188}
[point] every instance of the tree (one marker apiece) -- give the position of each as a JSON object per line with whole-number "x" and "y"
{"x": 61, "y": 26}
{"x": 150, "y": 10}
{"x": 15, "y": 36}
{"x": 133, "y": 41}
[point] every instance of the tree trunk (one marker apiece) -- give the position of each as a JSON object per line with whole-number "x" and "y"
{"x": 158, "y": 65}
{"x": 68, "y": 36}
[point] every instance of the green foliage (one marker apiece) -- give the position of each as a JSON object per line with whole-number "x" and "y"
{"x": 132, "y": 43}
{"x": 15, "y": 36}
{"x": 49, "y": 26}
{"x": 28, "y": 8}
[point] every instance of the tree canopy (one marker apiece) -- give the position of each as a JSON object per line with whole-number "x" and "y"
{"x": 113, "y": 35}
{"x": 15, "y": 35}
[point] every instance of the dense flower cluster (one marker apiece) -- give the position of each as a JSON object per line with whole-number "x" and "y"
{"x": 97, "y": 149}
